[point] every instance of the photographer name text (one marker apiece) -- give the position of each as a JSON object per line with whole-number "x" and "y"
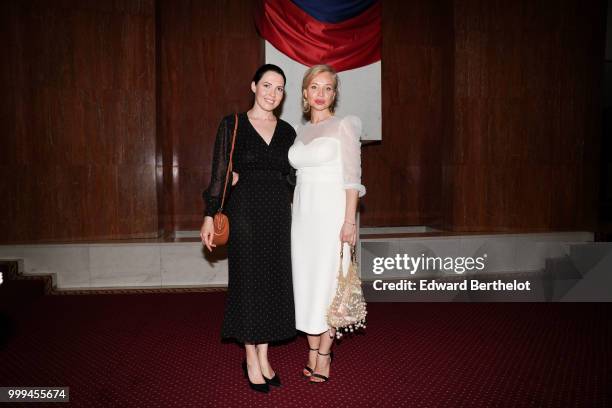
{"x": 466, "y": 284}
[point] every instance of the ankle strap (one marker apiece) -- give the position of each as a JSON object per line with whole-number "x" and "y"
{"x": 322, "y": 354}
{"x": 311, "y": 349}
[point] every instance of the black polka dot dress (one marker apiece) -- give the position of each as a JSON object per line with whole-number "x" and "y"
{"x": 259, "y": 307}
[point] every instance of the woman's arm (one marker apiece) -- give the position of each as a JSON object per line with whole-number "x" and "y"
{"x": 348, "y": 233}
{"x": 213, "y": 194}
{"x": 350, "y": 133}
{"x": 221, "y": 154}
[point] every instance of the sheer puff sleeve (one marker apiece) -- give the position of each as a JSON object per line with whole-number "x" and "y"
{"x": 221, "y": 155}
{"x": 350, "y": 132}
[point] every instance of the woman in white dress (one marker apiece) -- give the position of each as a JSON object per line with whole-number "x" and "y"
{"x": 327, "y": 156}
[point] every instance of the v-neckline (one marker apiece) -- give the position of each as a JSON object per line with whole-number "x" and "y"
{"x": 259, "y": 134}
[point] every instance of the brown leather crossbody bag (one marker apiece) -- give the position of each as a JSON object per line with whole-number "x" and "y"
{"x": 220, "y": 220}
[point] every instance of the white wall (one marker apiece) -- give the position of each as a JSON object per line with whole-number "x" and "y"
{"x": 359, "y": 93}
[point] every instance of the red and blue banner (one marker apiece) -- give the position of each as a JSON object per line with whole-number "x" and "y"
{"x": 345, "y": 34}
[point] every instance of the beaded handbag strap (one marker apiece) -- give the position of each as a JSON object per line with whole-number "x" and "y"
{"x": 353, "y": 259}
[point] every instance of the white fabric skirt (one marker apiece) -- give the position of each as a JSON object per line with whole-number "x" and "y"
{"x": 318, "y": 214}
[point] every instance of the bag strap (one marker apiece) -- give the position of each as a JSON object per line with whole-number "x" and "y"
{"x": 230, "y": 164}
{"x": 353, "y": 259}
{"x": 353, "y": 254}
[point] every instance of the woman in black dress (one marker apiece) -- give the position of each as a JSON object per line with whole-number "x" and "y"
{"x": 259, "y": 307}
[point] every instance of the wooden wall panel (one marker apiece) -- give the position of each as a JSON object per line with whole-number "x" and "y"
{"x": 491, "y": 114}
{"x": 208, "y": 54}
{"x": 403, "y": 173}
{"x": 526, "y": 116}
{"x": 78, "y": 121}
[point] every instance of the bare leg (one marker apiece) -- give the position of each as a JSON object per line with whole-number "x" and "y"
{"x": 253, "y": 367}
{"x": 323, "y": 358}
{"x": 264, "y": 364}
{"x": 313, "y": 344}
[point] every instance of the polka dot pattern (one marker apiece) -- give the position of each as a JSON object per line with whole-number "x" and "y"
{"x": 259, "y": 307}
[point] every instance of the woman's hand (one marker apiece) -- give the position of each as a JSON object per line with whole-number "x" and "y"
{"x": 348, "y": 233}
{"x": 207, "y": 232}
{"x": 234, "y": 178}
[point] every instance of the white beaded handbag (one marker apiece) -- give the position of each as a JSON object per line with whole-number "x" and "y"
{"x": 347, "y": 311}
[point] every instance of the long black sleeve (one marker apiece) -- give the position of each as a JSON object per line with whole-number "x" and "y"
{"x": 292, "y": 177}
{"x": 221, "y": 155}
{"x": 290, "y": 172}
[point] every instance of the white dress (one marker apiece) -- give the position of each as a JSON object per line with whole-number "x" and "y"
{"x": 327, "y": 156}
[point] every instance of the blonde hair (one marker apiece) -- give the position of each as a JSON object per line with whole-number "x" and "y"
{"x": 309, "y": 75}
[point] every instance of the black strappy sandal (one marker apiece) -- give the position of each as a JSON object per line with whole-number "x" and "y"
{"x": 321, "y": 376}
{"x": 306, "y": 368}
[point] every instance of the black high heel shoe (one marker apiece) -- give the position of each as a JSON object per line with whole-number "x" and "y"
{"x": 321, "y": 376}
{"x": 274, "y": 381}
{"x": 255, "y": 387}
{"x": 306, "y": 368}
